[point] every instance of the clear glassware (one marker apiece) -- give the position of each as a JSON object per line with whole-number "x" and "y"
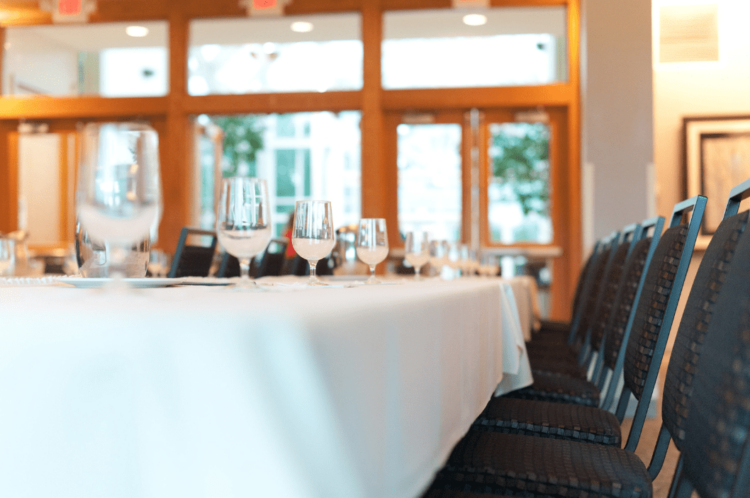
{"x": 437, "y": 256}
{"x": 313, "y": 236}
{"x": 119, "y": 189}
{"x": 7, "y": 255}
{"x": 372, "y": 244}
{"x": 417, "y": 249}
{"x": 243, "y": 222}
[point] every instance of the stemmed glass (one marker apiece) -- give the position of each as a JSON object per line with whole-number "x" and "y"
{"x": 119, "y": 188}
{"x": 417, "y": 248}
{"x": 7, "y": 254}
{"x": 243, "y": 223}
{"x": 313, "y": 236}
{"x": 372, "y": 244}
{"x": 437, "y": 255}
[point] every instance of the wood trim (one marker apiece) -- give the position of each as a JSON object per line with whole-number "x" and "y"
{"x": 390, "y": 153}
{"x": 467, "y": 98}
{"x": 8, "y": 177}
{"x": 375, "y": 191}
{"x": 273, "y": 103}
{"x": 562, "y": 300}
{"x": 65, "y": 236}
{"x": 80, "y": 107}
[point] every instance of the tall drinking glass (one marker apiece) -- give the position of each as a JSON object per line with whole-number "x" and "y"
{"x": 119, "y": 188}
{"x": 243, "y": 222}
{"x": 313, "y": 236}
{"x": 417, "y": 248}
{"x": 7, "y": 255}
{"x": 372, "y": 244}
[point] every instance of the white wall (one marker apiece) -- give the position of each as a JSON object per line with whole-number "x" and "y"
{"x": 699, "y": 89}
{"x": 39, "y": 187}
{"x": 616, "y": 86}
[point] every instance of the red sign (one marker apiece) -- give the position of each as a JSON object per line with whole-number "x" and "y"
{"x": 69, "y": 7}
{"x": 264, "y": 4}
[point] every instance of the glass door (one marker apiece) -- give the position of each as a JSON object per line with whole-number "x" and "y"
{"x": 427, "y": 176}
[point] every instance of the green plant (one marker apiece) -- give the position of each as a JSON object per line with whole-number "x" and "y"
{"x": 243, "y": 138}
{"x": 521, "y": 161}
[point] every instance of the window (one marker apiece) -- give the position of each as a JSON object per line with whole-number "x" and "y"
{"x": 235, "y": 56}
{"x": 301, "y": 156}
{"x": 95, "y": 59}
{"x": 435, "y": 49}
{"x": 429, "y": 179}
{"x": 518, "y": 191}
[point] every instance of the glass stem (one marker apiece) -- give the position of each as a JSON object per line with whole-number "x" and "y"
{"x": 313, "y": 266}
{"x": 372, "y": 272}
{"x": 245, "y": 268}
{"x": 417, "y": 270}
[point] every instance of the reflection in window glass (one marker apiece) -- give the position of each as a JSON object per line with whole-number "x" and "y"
{"x": 94, "y": 59}
{"x": 519, "y": 190}
{"x": 319, "y": 159}
{"x": 235, "y": 56}
{"x": 429, "y": 179}
{"x": 432, "y": 49}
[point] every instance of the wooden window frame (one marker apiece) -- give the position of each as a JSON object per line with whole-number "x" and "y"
{"x": 175, "y": 110}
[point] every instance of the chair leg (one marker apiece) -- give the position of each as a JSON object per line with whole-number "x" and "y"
{"x": 660, "y": 452}
{"x": 679, "y": 488}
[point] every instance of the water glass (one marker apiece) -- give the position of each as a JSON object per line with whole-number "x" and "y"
{"x": 243, "y": 223}
{"x": 417, "y": 249}
{"x": 313, "y": 237}
{"x": 7, "y": 255}
{"x": 119, "y": 190}
{"x": 372, "y": 244}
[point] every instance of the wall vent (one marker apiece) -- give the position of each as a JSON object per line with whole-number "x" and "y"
{"x": 689, "y": 33}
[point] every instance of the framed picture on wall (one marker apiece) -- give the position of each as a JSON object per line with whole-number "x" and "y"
{"x": 717, "y": 157}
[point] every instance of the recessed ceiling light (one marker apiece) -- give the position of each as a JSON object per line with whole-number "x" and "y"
{"x": 302, "y": 27}
{"x": 475, "y": 19}
{"x": 137, "y": 31}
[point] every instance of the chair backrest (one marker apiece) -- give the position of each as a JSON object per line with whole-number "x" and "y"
{"x": 654, "y": 312}
{"x": 192, "y": 260}
{"x": 580, "y": 325}
{"x": 583, "y": 276}
{"x": 620, "y": 324}
{"x": 716, "y": 453}
{"x": 618, "y": 298}
{"x": 273, "y": 258}
{"x": 611, "y": 284}
{"x": 698, "y": 314}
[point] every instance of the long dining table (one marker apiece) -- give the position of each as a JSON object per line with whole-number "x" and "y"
{"x": 197, "y": 391}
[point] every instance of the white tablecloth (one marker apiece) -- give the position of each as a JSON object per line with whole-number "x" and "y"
{"x": 206, "y": 392}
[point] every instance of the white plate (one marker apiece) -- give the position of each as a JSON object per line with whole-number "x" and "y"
{"x": 141, "y": 283}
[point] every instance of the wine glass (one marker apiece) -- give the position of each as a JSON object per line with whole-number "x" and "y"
{"x": 436, "y": 256}
{"x": 7, "y": 254}
{"x": 243, "y": 222}
{"x": 313, "y": 236}
{"x": 119, "y": 190}
{"x": 372, "y": 244}
{"x": 417, "y": 248}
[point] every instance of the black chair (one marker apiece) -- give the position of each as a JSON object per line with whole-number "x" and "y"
{"x": 715, "y": 461}
{"x": 557, "y": 387}
{"x": 541, "y": 467}
{"x": 575, "y": 359}
{"x": 270, "y": 264}
{"x": 193, "y": 260}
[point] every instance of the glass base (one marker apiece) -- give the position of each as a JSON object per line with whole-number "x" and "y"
{"x": 315, "y": 282}
{"x": 373, "y": 281}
